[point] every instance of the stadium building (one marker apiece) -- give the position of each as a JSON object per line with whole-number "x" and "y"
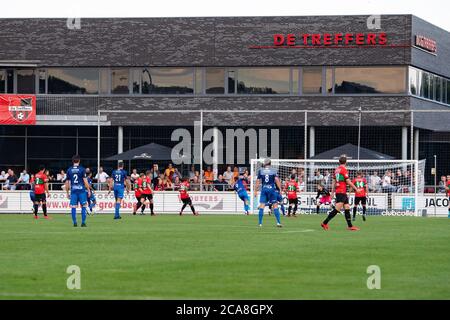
{"x": 321, "y": 64}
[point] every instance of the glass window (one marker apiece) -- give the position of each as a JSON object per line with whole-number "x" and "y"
{"x": 119, "y": 81}
{"x": 2, "y": 81}
{"x": 26, "y": 81}
{"x": 312, "y": 80}
{"x": 437, "y": 88}
{"x": 413, "y": 81}
{"x": 215, "y": 81}
{"x": 73, "y": 81}
{"x": 104, "y": 81}
{"x": 370, "y": 80}
{"x": 295, "y": 75}
{"x": 448, "y": 91}
{"x": 198, "y": 80}
{"x": 425, "y": 85}
{"x": 42, "y": 80}
{"x": 432, "y": 86}
{"x": 329, "y": 80}
{"x": 10, "y": 81}
{"x": 263, "y": 81}
{"x": 136, "y": 80}
{"x": 168, "y": 80}
{"x": 231, "y": 81}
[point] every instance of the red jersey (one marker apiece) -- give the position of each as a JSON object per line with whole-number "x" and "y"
{"x": 448, "y": 186}
{"x": 40, "y": 179}
{"x": 360, "y": 184}
{"x": 341, "y": 175}
{"x": 184, "y": 188}
{"x": 146, "y": 185}
{"x": 137, "y": 191}
{"x": 291, "y": 189}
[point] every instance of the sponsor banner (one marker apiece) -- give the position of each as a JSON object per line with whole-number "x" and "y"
{"x": 17, "y": 109}
{"x": 164, "y": 202}
{"x": 427, "y": 205}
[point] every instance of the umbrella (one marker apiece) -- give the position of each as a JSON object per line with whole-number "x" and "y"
{"x": 351, "y": 151}
{"x": 151, "y": 151}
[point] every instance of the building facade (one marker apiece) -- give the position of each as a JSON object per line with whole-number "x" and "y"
{"x": 317, "y": 63}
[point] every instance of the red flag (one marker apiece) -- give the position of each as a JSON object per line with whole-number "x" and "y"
{"x": 17, "y": 109}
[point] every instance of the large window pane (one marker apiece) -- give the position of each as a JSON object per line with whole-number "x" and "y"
{"x": 432, "y": 86}
{"x": 312, "y": 80}
{"x": 136, "y": 80}
{"x": 329, "y": 80}
{"x": 448, "y": 91}
{"x": 2, "y": 81}
{"x": 10, "y": 81}
{"x": 73, "y": 81}
{"x": 367, "y": 80}
{"x": 215, "y": 80}
{"x": 119, "y": 81}
{"x": 263, "y": 81}
{"x": 170, "y": 81}
{"x": 231, "y": 81}
{"x": 42, "y": 80}
{"x": 437, "y": 88}
{"x": 413, "y": 81}
{"x": 425, "y": 85}
{"x": 104, "y": 81}
{"x": 198, "y": 80}
{"x": 295, "y": 84}
{"x": 26, "y": 81}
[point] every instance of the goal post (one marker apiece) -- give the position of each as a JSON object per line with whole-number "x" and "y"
{"x": 394, "y": 185}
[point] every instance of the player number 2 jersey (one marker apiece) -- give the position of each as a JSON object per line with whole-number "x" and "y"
{"x": 76, "y": 174}
{"x": 341, "y": 175}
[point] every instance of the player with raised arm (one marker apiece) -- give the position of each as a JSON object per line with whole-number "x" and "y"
{"x": 185, "y": 198}
{"x": 291, "y": 187}
{"x": 118, "y": 183}
{"x": 339, "y": 185}
{"x": 240, "y": 187}
{"x": 267, "y": 177}
{"x": 323, "y": 197}
{"x": 361, "y": 194}
{"x": 77, "y": 189}
{"x": 40, "y": 192}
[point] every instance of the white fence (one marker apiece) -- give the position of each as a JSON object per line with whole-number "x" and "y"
{"x": 228, "y": 203}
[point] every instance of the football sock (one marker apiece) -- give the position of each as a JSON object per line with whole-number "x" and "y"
{"x": 317, "y": 209}
{"x": 138, "y": 205}
{"x": 151, "y": 208}
{"x": 348, "y": 218}
{"x": 184, "y": 206}
{"x": 74, "y": 215}
{"x": 289, "y": 210}
{"x": 246, "y": 207}
{"x": 116, "y": 212}
{"x": 193, "y": 209}
{"x": 283, "y": 210}
{"x": 83, "y": 215}
{"x": 276, "y": 212}
{"x": 295, "y": 209}
{"x": 331, "y": 215}
{"x": 364, "y": 210}
{"x": 143, "y": 208}
{"x": 354, "y": 212}
{"x": 260, "y": 215}
{"x": 35, "y": 209}
{"x": 44, "y": 209}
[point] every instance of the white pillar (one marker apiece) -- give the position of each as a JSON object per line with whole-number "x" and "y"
{"x": 404, "y": 143}
{"x": 216, "y": 152}
{"x": 416, "y": 144}
{"x": 120, "y": 139}
{"x": 312, "y": 141}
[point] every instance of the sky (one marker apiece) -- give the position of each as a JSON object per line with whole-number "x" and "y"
{"x": 434, "y": 11}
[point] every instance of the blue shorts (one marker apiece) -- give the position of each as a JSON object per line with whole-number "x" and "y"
{"x": 279, "y": 197}
{"x": 118, "y": 192}
{"x": 243, "y": 196}
{"x": 78, "y": 198}
{"x": 268, "y": 196}
{"x": 91, "y": 199}
{"x": 32, "y": 196}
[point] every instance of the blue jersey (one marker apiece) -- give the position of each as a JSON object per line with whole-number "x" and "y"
{"x": 267, "y": 177}
{"x": 239, "y": 186}
{"x": 75, "y": 175}
{"x": 119, "y": 176}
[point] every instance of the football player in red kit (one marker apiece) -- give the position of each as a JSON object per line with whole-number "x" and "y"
{"x": 41, "y": 192}
{"x": 138, "y": 193}
{"x": 340, "y": 181}
{"x": 147, "y": 192}
{"x": 292, "y": 188}
{"x": 361, "y": 194}
{"x": 185, "y": 198}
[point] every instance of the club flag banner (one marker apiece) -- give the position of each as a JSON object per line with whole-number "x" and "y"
{"x": 17, "y": 109}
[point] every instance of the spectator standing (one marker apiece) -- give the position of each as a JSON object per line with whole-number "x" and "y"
{"x": 134, "y": 176}
{"x": 102, "y": 178}
{"x": 442, "y": 184}
{"x": 169, "y": 171}
{"x": 327, "y": 179}
{"x": 228, "y": 176}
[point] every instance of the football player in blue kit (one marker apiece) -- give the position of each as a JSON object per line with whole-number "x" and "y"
{"x": 267, "y": 178}
{"x": 240, "y": 187}
{"x": 77, "y": 185}
{"x": 91, "y": 200}
{"x": 118, "y": 183}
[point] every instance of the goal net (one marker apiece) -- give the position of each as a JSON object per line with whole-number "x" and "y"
{"x": 394, "y": 185}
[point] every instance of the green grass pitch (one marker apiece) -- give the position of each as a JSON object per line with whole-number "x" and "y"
{"x": 223, "y": 257}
